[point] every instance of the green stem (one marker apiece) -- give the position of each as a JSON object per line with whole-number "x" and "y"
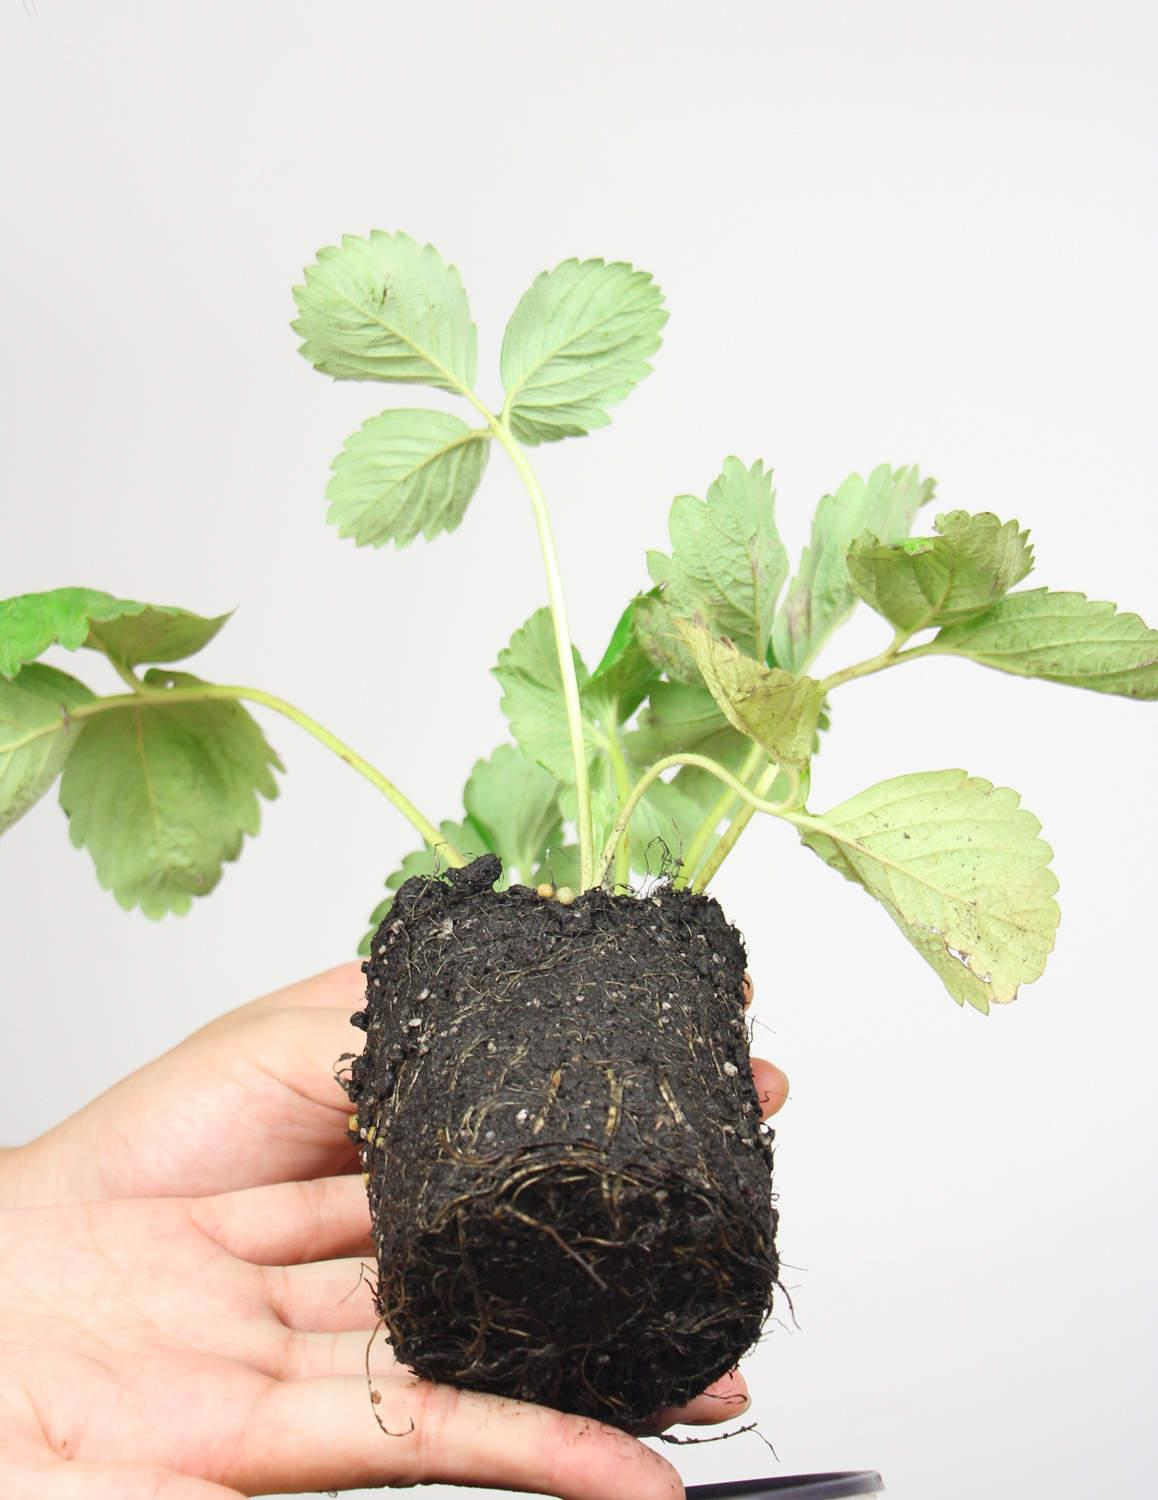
{"x": 891, "y": 656}
{"x": 639, "y": 791}
{"x": 126, "y": 674}
{"x": 562, "y": 643}
{"x": 736, "y": 827}
{"x": 623, "y": 791}
{"x": 208, "y": 692}
{"x": 720, "y": 809}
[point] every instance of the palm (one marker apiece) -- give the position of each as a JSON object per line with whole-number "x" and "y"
{"x": 161, "y": 1339}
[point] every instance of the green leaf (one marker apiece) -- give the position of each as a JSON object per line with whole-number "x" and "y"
{"x": 559, "y": 867}
{"x": 465, "y": 837}
{"x": 36, "y": 735}
{"x": 774, "y": 708}
{"x": 577, "y": 343}
{"x": 959, "y": 867}
{"x": 528, "y": 670}
{"x": 1061, "y": 637}
{"x": 515, "y": 804}
{"x": 128, "y": 632}
{"x": 728, "y": 563}
{"x": 404, "y": 473}
{"x": 820, "y": 597}
{"x": 626, "y": 672}
{"x": 386, "y": 308}
{"x": 161, "y": 794}
{"x": 943, "y": 579}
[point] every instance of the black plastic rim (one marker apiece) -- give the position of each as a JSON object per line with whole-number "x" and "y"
{"x": 793, "y": 1487}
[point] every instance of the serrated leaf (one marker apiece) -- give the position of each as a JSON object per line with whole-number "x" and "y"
{"x": 959, "y": 867}
{"x": 625, "y": 673}
{"x": 36, "y": 735}
{"x": 123, "y": 629}
{"x": 1061, "y": 637}
{"x": 774, "y": 708}
{"x": 820, "y": 597}
{"x": 727, "y": 563}
{"x": 577, "y": 343}
{"x": 405, "y": 473}
{"x": 386, "y": 308}
{"x": 515, "y": 804}
{"x": 528, "y": 669}
{"x": 465, "y": 837}
{"x": 161, "y": 794}
{"x": 940, "y": 580}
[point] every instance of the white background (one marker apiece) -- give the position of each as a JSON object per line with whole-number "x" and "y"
{"x": 893, "y": 231}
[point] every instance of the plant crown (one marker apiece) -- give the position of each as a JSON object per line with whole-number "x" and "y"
{"x": 701, "y": 711}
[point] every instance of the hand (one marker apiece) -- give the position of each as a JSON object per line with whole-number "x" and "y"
{"x": 249, "y": 1099}
{"x": 202, "y": 1349}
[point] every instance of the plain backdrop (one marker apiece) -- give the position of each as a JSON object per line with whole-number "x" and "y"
{"x": 903, "y": 231}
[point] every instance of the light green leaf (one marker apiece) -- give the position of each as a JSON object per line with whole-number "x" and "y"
{"x": 728, "y": 563}
{"x": 959, "y": 867}
{"x": 465, "y": 837}
{"x": 128, "y": 632}
{"x": 683, "y": 716}
{"x": 386, "y": 308}
{"x": 559, "y": 867}
{"x": 1061, "y": 637}
{"x": 515, "y": 803}
{"x": 404, "y": 473}
{"x": 774, "y": 708}
{"x": 161, "y": 795}
{"x": 577, "y": 343}
{"x": 820, "y": 597}
{"x": 943, "y": 579}
{"x": 36, "y": 735}
{"x": 625, "y": 674}
{"x": 528, "y": 669}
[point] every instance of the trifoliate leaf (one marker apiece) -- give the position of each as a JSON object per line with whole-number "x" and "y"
{"x": 959, "y": 867}
{"x": 728, "y": 563}
{"x": 161, "y": 794}
{"x": 386, "y": 308}
{"x": 772, "y": 707}
{"x": 515, "y": 804}
{"x": 404, "y": 473}
{"x": 625, "y": 674}
{"x": 684, "y": 716}
{"x": 577, "y": 343}
{"x": 1061, "y": 637}
{"x": 465, "y": 837}
{"x": 128, "y": 632}
{"x": 820, "y": 597}
{"x": 528, "y": 669}
{"x": 940, "y": 580}
{"x": 36, "y": 735}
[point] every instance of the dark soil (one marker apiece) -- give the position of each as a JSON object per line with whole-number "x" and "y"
{"x": 569, "y": 1183}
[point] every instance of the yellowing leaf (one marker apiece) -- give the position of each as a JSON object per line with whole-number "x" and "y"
{"x": 772, "y": 707}
{"x": 939, "y": 580}
{"x": 959, "y": 866}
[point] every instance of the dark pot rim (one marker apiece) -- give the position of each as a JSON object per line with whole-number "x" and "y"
{"x": 793, "y": 1487}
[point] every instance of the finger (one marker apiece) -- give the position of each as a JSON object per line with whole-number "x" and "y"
{"x": 289, "y": 1222}
{"x": 308, "y": 1356}
{"x": 79, "y": 1481}
{"x": 724, "y": 1399}
{"x": 322, "y": 1434}
{"x": 325, "y": 1296}
{"x": 748, "y": 989}
{"x": 771, "y": 1086}
{"x": 299, "y": 1047}
{"x": 334, "y": 988}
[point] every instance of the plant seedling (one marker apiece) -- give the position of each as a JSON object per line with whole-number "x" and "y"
{"x": 568, "y": 1179}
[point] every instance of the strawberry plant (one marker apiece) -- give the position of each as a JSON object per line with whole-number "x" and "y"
{"x": 568, "y": 1178}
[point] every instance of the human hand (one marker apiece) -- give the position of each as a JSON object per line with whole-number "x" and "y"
{"x": 248, "y": 1100}
{"x": 203, "y": 1349}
